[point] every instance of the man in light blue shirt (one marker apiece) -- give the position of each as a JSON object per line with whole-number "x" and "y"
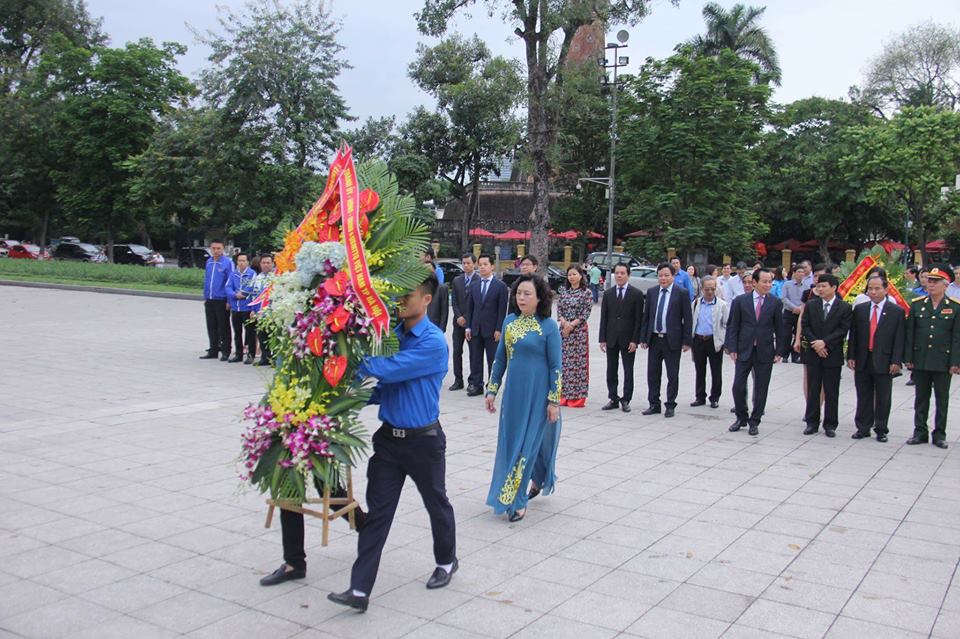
{"x": 682, "y": 278}
{"x": 710, "y": 316}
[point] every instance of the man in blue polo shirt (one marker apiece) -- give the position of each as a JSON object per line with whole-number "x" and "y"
{"x": 410, "y": 443}
{"x": 215, "y": 304}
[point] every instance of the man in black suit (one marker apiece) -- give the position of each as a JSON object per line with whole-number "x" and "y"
{"x": 439, "y": 310}
{"x": 621, "y": 313}
{"x": 754, "y": 334}
{"x": 874, "y": 354}
{"x": 486, "y": 308}
{"x": 460, "y": 286}
{"x": 825, "y": 324}
{"x": 668, "y": 332}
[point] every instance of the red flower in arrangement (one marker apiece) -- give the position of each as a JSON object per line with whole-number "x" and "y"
{"x": 334, "y": 368}
{"x": 315, "y": 341}
{"x": 337, "y": 320}
{"x": 337, "y": 285}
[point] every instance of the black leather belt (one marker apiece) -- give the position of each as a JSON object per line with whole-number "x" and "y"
{"x": 704, "y": 338}
{"x": 431, "y": 430}
{"x": 659, "y": 334}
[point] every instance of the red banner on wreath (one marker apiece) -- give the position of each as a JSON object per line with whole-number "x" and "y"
{"x": 353, "y": 241}
{"x": 860, "y": 272}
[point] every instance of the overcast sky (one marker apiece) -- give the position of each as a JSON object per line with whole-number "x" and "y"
{"x": 824, "y": 45}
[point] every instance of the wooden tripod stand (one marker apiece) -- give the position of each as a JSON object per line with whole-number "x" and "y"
{"x": 348, "y": 505}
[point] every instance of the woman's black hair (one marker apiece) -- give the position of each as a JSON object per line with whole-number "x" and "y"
{"x": 544, "y": 295}
{"x": 583, "y": 276}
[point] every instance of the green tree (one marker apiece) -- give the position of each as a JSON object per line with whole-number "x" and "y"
{"x": 738, "y": 30}
{"x": 27, "y": 30}
{"x": 474, "y": 126}
{"x": 920, "y": 67}
{"x": 801, "y": 188}
{"x": 904, "y": 162}
{"x": 685, "y": 162}
{"x": 547, "y": 29}
{"x": 112, "y": 99}
{"x": 274, "y": 69}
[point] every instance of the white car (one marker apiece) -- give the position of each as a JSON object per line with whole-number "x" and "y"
{"x": 643, "y": 277}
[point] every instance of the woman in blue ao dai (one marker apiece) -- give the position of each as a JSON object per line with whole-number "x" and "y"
{"x": 530, "y": 347}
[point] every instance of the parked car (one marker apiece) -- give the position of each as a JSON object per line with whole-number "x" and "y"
{"x": 27, "y": 252}
{"x": 643, "y": 277}
{"x": 450, "y": 267}
{"x": 4, "y": 251}
{"x": 193, "y": 257}
{"x": 607, "y": 262}
{"x": 66, "y": 238}
{"x": 78, "y": 251}
{"x": 136, "y": 254}
{"x": 8, "y": 244}
{"x": 555, "y": 277}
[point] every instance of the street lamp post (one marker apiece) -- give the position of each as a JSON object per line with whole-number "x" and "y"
{"x": 610, "y": 181}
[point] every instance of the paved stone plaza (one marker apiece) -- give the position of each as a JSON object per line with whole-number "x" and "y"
{"x": 120, "y": 514}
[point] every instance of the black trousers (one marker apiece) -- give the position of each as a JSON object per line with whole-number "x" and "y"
{"x": 939, "y": 383}
{"x": 761, "y": 382}
{"x": 218, "y": 325}
{"x": 616, "y": 354}
{"x": 705, "y": 351}
{"x": 459, "y": 337}
{"x": 265, "y": 355}
{"x": 873, "y": 399}
{"x": 660, "y": 354}
{"x": 291, "y": 530}
{"x": 243, "y": 332}
{"x": 828, "y": 379}
{"x": 423, "y": 459}
{"x": 479, "y": 347}
{"x": 790, "y": 328}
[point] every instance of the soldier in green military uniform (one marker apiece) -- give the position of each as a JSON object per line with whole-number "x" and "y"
{"x": 932, "y": 352}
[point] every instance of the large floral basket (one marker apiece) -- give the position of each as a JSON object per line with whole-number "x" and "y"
{"x": 327, "y": 307}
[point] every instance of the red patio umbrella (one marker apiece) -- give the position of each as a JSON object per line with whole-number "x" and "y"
{"x": 513, "y": 235}
{"x": 566, "y": 235}
{"x": 595, "y": 236}
{"x": 479, "y": 232}
{"x": 937, "y": 246}
{"x": 812, "y": 245}
{"x": 790, "y": 243}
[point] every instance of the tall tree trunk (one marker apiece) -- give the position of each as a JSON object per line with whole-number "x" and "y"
{"x": 44, "y": 225}
{"x": 825, "y": 249}
{"x": 471, "y": 213}
{"x": 539, "y": 139}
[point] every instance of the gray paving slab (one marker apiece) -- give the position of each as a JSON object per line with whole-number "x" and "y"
{"x": 120, "y": 513}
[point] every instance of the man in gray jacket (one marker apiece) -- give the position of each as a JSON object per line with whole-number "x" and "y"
{"x": 710, "y": 314}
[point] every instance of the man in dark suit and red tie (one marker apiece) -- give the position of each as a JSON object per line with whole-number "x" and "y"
{"x": 621, "y": 314}
{"x": 874, "y": 354}
{"x": 486, "y": 308}
{"x": 668, "y": 333}
{"x": 825, "y": 324}
{"x": 754, "y": 334}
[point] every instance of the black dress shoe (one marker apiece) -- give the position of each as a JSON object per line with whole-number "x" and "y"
{"x": 913, "y": 441}
{"x": 281, "y": 575}
{"x": 235, "y": 359}
{"x": 859, "y": 435}
{"x": 625, "y": 407}
{"x": 713, "y": 404}
{"x": 457, "y": 385}
{"x": 350, "y": 600}
{"x": 939, "y": 443}
{"x": 882, "y": 438}
{"x": 441, "y": 577}
{"x": 248, "y": 360}
{"x": 534, "y": 491}
{"x": 830, "y": 432}
{"x": 224, "y": 358}
{"x": 611, "y": 405}
{"x": 737, "y": 425}
{"x": 811, "y": 429}
{"x": 669, "y": 412}
{"x": 699, "y": 402}
{"x": 653, "y": 410}
{"x": 754, "y": 429}
{"x": 473, "y": 391}
{"x": 209, "y": 356}
{"x": 263, "y": 362}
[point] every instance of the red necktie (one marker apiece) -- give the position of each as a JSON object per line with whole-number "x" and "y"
{"x": 759, "y": 305}
{"x": 873, "y": 328}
